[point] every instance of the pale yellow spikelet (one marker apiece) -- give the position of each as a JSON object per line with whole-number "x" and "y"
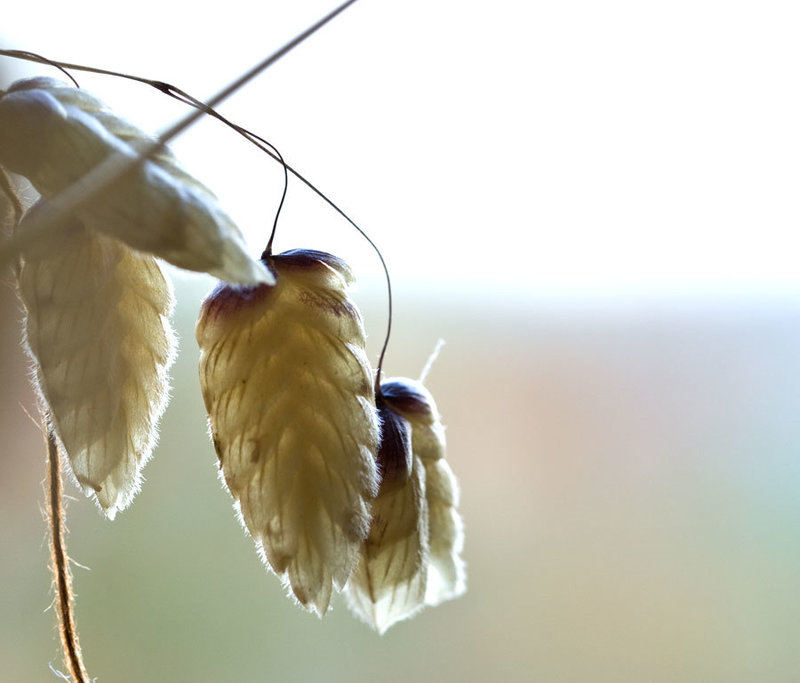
{"x": 447, "y": 574}
{"x": 290, "y": 401}
{"x": 55, "y": 134}
{"x": 389, "y": 583}
{"x": 96, "y": 326}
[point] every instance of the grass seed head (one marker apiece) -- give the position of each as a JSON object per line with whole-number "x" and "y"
{"x": 97, "y": 330}
{"x": 55, "y": 134}
{"x": 288, "y": 390}
{"x": 390, "y": 581}
{"x": 447, "y": 573}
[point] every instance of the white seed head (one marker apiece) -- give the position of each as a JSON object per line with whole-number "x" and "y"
{"x": 97, "y": 330}
{"x": 55, "y": 134}
{"x": 447, "y": 574}
{"x": 390, "y": 580}
{"x": 290, "y": 401}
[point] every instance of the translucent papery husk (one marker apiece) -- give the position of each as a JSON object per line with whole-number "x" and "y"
{"x": 55, "y": 134}
{"x": 447, "y": 573}
{"x": 290, "y": 401}
{"x": 389, "y": 582}
{"x": 97, "y": 330}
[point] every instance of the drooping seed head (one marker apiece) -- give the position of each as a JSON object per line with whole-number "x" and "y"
{"x": 55, "y": 134}
{"x": 290, "y": 402}
{"x": 412, "y": 400}
{"x": 389, "y": 583}
{"x": 97, "y": 330}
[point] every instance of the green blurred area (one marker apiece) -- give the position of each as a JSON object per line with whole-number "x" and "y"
{"x": 630, "y": 489}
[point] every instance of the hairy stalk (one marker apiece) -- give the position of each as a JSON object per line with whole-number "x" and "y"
{"x": 60, "y": 565}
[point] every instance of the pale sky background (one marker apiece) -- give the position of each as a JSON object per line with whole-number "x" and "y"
{"x": 552, "y": 149}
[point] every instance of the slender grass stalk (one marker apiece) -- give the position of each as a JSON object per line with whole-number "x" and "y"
{"x": 62, "y": 577}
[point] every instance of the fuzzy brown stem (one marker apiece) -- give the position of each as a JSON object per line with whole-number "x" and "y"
{"x": 60, "y": 565}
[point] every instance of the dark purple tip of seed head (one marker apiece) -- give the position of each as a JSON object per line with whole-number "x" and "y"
{"x": 394, "y": 451}
{"x": 311, "y": 258}
{"x": 226, "y": 299}
{"x": 405, "y": 397}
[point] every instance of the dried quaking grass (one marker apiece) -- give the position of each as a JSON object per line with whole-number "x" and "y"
{"x": 55, "y": 134}
{"x": 290, "y": 401}
{"x": 340, "y": 489}
{"x": 389, "y": 583}
{"x": 446, "y": 572}
{"x": 96, "y": 326}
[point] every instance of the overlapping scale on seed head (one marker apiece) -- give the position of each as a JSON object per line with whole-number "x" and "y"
{"x": 289, "y": 395}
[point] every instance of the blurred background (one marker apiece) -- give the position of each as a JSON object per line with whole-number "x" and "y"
{"x": 595, "y": 206}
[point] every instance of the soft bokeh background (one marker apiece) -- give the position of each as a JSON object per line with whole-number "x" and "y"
{"x": 595, "y": 205}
